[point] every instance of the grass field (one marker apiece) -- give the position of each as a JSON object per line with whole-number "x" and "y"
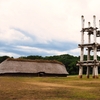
{"x": 49, "y": 88}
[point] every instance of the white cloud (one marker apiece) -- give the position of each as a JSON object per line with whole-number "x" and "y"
{"x": 46, "y": 19}
{"x": 39, "y": 50}
{"x": 10, "y": 54}
{"x": 11, "y": 36}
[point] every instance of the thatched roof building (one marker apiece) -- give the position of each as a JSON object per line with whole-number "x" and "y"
{"x": 32, "y": 67}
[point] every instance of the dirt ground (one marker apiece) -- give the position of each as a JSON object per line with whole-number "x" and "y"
{"x": 49, "y": 88}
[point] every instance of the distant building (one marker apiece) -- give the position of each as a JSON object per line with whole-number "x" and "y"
{"x": 32, "y": 67}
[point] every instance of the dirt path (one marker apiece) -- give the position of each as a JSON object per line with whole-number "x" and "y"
{"x": 43, "y": 84}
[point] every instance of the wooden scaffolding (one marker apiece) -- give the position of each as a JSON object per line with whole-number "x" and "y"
{"x": 94, "y": 47}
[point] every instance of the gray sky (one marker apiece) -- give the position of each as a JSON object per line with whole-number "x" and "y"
{"x": 44, "y": 27}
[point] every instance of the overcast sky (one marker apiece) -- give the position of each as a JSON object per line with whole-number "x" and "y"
{"x": 44, "y": 27}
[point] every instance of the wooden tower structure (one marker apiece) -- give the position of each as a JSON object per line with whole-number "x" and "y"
{"x": 90, "y": 46}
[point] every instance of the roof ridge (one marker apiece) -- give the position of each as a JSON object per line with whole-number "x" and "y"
{"x": 36, "y": 60}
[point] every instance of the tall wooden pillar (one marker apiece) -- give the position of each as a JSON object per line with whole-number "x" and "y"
{"x": 82, "y": 48}
{"x": 88, "y": 55}
{"x": 93, "y": 72}
{"x": 95, "y": 48}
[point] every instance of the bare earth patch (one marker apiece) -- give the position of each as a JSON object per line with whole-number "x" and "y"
{"x": 43, "y": 84}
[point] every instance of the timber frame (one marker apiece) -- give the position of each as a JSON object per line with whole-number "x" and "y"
{"x": 95, "y": 47}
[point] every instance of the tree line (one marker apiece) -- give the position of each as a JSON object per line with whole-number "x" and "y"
{"x": 69, "y": 61}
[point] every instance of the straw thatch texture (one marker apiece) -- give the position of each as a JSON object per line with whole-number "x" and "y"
{"x": 21, "y": 66}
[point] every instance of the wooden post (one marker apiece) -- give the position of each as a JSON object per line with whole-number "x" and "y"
{"x": 82, "y": 48}
{"x": 89, "y": 38}
{"x": 93, "y": 72}
{"x": 82, "y": 35}
{"x": 88, "y": 55}
{"x": 99, "y": 24}
{"x": 95, "y": 48}
{"x": 96, "y": 71}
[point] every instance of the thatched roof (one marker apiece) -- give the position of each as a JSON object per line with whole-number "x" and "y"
{"x": 32, "y": 66}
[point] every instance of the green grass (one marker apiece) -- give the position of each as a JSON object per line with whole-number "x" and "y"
{"x": 49, "y": 88}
